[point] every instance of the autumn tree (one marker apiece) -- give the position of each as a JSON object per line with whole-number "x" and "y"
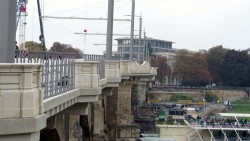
{"x": 191, "y": 68}
{"x": 66, "y": 48}
{"x": 163, "y": 68}
{"x": 201, "y": 75}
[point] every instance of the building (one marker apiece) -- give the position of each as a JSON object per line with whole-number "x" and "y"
{"x": 152, "y": 47}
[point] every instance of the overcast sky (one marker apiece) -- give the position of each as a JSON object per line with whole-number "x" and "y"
{"x": 191, "y": 24}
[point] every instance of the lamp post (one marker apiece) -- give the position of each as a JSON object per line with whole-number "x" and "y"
{"x": 109, "y": 36}
{"x": 204, "y": 99}
{"x": 132, "y": 31}
{"x": 7, "y": 30}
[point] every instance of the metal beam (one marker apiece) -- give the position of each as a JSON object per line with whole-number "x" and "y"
{"x": 81, "y": 18}
{"x": 7, "y": 30}
{"x": 211, "y": 134}
{"x": 198, "y": 133}
{"x": 236, "y": 132}
{"x": 225, "y": 135}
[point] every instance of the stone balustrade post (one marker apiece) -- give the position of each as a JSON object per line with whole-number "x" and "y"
{"x": 112, "y": 69}
{"x": 125, "y": 67}
{"x": 87, "y": 80}
{"x": 21, "y": 102}
{"x": 86, "y": 74}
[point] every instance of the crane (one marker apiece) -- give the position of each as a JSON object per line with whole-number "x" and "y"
{"x": 21, "y": 21}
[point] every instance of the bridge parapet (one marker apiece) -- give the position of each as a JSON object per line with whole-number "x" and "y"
{"x": 112, "y": 74}
{"x": 132, "y": 68}
{"x": 21, "y": 100}
{"x": 87, "y": 79}
{"x": 21, "y": 93}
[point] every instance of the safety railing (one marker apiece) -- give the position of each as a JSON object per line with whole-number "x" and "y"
{"x": 58, "y": 74}
{"x": 101, "y": 59}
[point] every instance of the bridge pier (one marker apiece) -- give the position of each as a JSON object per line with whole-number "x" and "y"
{"x": 21, "y": 102}
{"x": 67, "y": 124}
{"x": 138, "y": 95}
{"x": 97, "y": 114}
{"x": 120, "y": 120}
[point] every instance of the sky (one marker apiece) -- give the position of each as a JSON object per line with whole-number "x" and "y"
{"x": 191, "y": 24}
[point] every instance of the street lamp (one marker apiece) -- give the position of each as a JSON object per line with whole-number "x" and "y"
{"x": 204, "y": 99}
{"x": 204, "y": 102}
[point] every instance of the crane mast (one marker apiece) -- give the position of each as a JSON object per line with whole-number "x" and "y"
{"x": 21, "y": 21}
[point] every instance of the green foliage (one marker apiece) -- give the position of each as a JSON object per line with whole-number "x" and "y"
{"x": 210, "y": 97}
{"x": 33, "y": 46}
{"x": 215, "y": 59}
{"x": 236, "y": 69}
{"x": 177, "y": 97}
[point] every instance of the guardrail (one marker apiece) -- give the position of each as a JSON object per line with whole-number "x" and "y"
{"x": 58, "y": 74}
{"x": 101, "y": 59}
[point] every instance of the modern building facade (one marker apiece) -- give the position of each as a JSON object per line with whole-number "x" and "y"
{"x": 149, "y": 46}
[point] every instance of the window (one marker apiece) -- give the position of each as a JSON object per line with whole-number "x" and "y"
{"x": 119, "y": 49}
{"x": 135, "y": 49}
{"x": 134, "y": 55}
{"x": 136, "y": 42}
{"x": 126, "y": 49}
{"x": 120, "y": 42}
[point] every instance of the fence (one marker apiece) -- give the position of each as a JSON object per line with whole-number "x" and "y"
{"x": 101, "y": 59}
{"x": 58, "y": 74}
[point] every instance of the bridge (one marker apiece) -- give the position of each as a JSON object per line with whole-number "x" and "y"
{"x": 47, "y": 96}
{"x": 51, "y": 91}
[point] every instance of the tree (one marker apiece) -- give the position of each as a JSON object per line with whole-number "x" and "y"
{"x": 201, "y": 75}
{"x": 182, "y": 65}
{"x": 191, "y": 68}
{"x": 66, "y": 48}
{"x": 215, "y": 59}
{"x": 33, "y": 46}
{"x": 58, "y": 47}
{"x": 236, "y": 69}
{"x": 163, "y": 69}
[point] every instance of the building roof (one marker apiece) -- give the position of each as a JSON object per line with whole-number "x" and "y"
{"x": 149, "y": 38}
